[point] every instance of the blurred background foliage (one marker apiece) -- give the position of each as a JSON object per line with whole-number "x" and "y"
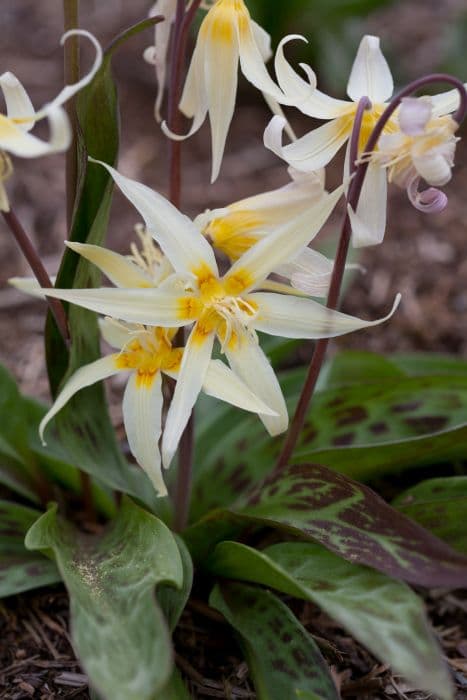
{"x": 431, "y": 33}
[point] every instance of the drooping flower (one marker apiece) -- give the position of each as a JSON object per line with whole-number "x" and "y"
{"x": 236, "y": 228}
{"x": 230, "y": 307}
{"x": 370, "y": 77}
{"x": 21, "y": 117}
{"x": 423, "y": 148}
{"x": 146, "y": 353}
{"x": 156, "y": 55}
{"x": 226, "y": 37}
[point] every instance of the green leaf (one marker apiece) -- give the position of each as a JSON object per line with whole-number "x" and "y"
{"x": 118, "y": 629}
{"x": 84, "y": 425}
{"x": 345, "y": 516}
{"x": 417, "y": 364}
{"x": 362, "y": 430}
{"x": 21, "y": 570}
{"x": 440, "y": 505}
{"x": 173, "y": 600}
{"x": 283, "y": 659}
{"x": 358, "y": 367}
{"x": 384, "y": 615}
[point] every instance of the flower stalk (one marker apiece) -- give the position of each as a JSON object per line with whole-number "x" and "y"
{"x": 359, "y": 171}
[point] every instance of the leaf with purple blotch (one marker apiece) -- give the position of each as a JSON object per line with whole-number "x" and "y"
{"x": 282, "y": 657}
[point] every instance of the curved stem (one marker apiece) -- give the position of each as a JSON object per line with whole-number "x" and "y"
{"x": 353, "y": 197}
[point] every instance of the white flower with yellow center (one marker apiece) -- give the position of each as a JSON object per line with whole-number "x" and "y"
{"x": 146, "y": 353}
{"x": 226, "y": 37}
{"x": 236, "y": 228}
{"x": 227, "y": 307}
{"x": 424, "y": 148}
{"x": 20, "y": 118}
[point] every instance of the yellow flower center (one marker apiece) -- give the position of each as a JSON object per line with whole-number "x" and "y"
{"x": 221, "y": 21}
{"x": 149, "y": 352}
{"x": 219, "y": 306}
{"x": 234, "y": 233}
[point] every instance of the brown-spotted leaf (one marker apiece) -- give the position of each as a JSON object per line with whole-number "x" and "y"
{"x": 283, "y": 659}
{"x": 345, "y": 516}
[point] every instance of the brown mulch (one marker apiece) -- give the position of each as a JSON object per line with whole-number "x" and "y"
{"x": 422, "y": 257}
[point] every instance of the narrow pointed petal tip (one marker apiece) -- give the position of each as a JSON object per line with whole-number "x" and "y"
{"x": 370, "y": 75}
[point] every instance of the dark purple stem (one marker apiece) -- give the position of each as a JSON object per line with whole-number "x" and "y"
{"x": 183, "y": 21}
{"x": 40, "y": 273}
{"x": 353, "y": 197}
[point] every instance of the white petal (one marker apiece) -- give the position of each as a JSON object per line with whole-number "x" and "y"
{"x": 414, "y": 114}
{"x": 321, "y": 106}
{"x": 251, "y": 364}
{"x": 162, "y": 30}
{"x": 434, "y": 168}
{"x": 83, "y": 377}
{"x": 29, "y": 285}
{"x": 70, "y": 90}
{"x": 369, "y": 221}
{"x": 310, "y": 272}
{"x": 224, "y": 384}
{"x": 18, "y": 104}
{"x": 17, "y": 141}
{"x": 116, "y": 333}
{"x": 291, "y": 83}
{"x": 119, "y": 270}
{"x": 142, "y": 416}
{"x": 221, "y": 74}
{"x": 312, "y": 151}
{"x": 296, "y": 317}
{"x": 150, "y": 307}
{"x": 370, "y": 75}
{"x": 176, "y": 234}
{"x": 252, "y": 64}
{"x": 195, "y": 362}
{"x": 445, "y": 102}
{"x": 282, "y": 245}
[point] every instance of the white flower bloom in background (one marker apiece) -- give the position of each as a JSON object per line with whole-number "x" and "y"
{"x": 236, "y": 228}
{"x": 228, "y": 36}
{"x": 21, "y": 117}
{"x": 370, "y": 77}
{"x": 423, "y": 149}
{"x": 157, "y": 55}
{"x": 146, "y": 353}
{"x": 229, "y": 307}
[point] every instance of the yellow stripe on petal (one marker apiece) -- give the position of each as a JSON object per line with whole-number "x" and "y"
{"x": 237, "y": 282}
{"x": 189, "y": 308}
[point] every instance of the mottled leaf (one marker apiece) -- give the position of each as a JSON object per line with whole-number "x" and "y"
{"x": 417, "y": 364}
{"x": 173, "y": 600}
{"x": 440, "y": 505}
{"x": 118, "y": 629}
{"x": 345, "y": 516}
{"x": 283, "y": 659}
{"x": 21, "y": 570}
{"x": 359, "y": 367}
{"x": 362, "y": 430}
{"x": 384, "y": 615}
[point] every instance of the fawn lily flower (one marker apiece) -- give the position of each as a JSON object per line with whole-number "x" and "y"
{"x": 423, "y": 149}
{"x": 230, "y": 307}
{"x": 21, "y": 117}
{"x": 157, "y": 55}
{"x": 370, "y": 77}
{"x": 236, "y": 228}
{"x": 146, "y": 353}
{"x": 226, "y": 37}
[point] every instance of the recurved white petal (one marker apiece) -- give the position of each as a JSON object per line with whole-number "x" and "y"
{"x": 310, "y": 271}
{"x": 312, "y": 151}
{"x": 250, "y": 363}
{"x": 158, "y": 56}
{"x": 282, "y": 245}
{"x": 150, "y": 307}
{"x": 83, "y": 377}
{"x": 445, "y": 102}
{"x": 142, "y": 416}
{"x": 369, "y": 221}
{"x": 70, "y": 90}
{"x": 225, "y": 385}
{"x": 15, "y": 140}
{"x": 370, "y": 75}
{"x": 291, "y": 83}
{"x": 184, "y": 245}
{"x": 221, "y": 73}
{"x": 119, "y": 270}
{"x": 18, "y": 105}
{"x": 195, "y": 363}
{"x": 296, "y": 317}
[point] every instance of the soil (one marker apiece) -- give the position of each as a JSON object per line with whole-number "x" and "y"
{"x": 422, "y": 257}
